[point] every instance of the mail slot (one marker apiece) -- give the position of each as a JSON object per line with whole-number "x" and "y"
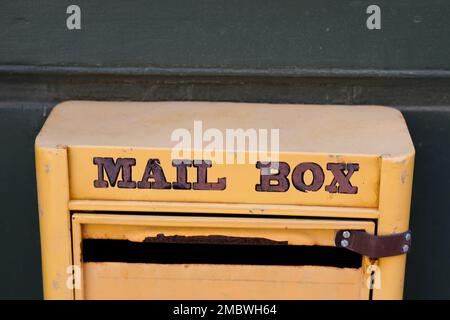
{"x": 214, "y": 200}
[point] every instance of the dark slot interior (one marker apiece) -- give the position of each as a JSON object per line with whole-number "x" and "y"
{"x": 101, "y": 250}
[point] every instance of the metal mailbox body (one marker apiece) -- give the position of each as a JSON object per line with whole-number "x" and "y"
{"x": 81, "y": 198}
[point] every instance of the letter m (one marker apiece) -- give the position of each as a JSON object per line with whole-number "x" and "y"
{"x": 112, "y": 170}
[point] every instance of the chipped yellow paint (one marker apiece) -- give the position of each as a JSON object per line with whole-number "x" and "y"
{"x": 395, "y": 195}
{"x": 137, "y": 228}
{"x": 54, "y": 221}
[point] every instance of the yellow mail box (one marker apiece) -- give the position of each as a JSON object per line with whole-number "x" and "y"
{"x": 209, "y": 200}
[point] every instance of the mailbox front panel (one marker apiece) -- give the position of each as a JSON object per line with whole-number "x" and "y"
{"x": 176, "y": 257}
{"x": 240, "y": 180}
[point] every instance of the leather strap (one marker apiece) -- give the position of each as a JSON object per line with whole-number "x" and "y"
{"x": 374, "y": 246}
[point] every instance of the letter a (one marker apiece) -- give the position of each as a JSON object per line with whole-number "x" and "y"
{"x": 73, "y": 21}
{"x": 374, "y": 20}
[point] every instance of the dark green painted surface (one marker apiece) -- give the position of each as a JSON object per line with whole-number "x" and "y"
{"x": 19, "y": 228}
{"x": 427, "y": 270}
{"x": 258, "y": 51}
{"x": 228, "y": 35}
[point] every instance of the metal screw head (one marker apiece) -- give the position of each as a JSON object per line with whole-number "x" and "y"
{"x": 346, "y": 234}
{"x": 344, "y": 243}
{"x": 405, "y": 248}
{"x": 408, "y": 236}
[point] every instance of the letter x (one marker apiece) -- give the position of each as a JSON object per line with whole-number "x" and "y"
{"x": 342, "y": 179}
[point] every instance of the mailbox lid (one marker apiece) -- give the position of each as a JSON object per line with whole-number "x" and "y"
{"x": 318, "y": 129}
{"x": 116, "y": 279}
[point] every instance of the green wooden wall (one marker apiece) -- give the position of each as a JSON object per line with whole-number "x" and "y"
{"x": 282, "y": 51}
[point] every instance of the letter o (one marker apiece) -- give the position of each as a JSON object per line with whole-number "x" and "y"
{"x": 299, "y": 173}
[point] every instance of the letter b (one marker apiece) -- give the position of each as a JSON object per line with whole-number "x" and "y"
{"x": 280, "y": 177}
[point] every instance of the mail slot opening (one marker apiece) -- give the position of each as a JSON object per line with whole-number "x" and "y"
{"x": 216, "y": 250}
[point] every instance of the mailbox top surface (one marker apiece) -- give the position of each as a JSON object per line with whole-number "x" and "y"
{"x": 362, "y": 130}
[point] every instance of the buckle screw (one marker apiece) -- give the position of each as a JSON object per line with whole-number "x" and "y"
{"x": 405, "y": 248}
{"x": 344, "y": 243}
{"x": 408, "y": 236}
{"x": 346, "y": 234}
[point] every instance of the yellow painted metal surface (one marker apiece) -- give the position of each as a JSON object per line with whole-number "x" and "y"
{"x": 54, "y": 221}
{"x": 395, "y": 195}
{"x": 152, "y": 281}
{"x": 223, "y": 208}
{"x": 238, "y": 190}
{"x": 137, "y": 228}
{"x": 113, "y": 280}
{"x": 375, "y": 138}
